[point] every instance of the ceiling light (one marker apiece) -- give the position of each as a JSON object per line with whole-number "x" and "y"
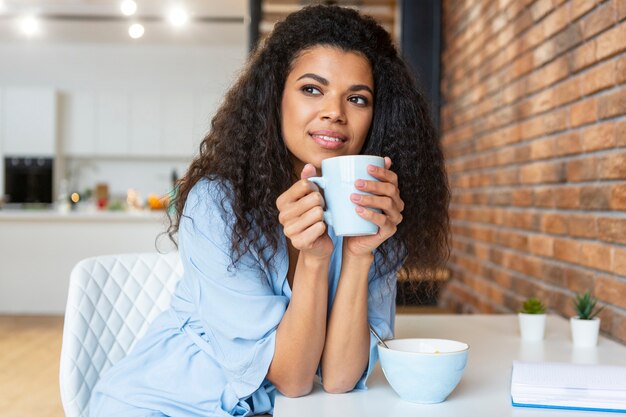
{"x": 29, "y": 25}
{"x": 178, "y": 16}
{"x": 136, "y": 31}
{"x": 128, "y": 7}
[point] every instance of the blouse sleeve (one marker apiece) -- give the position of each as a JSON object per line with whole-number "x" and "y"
{"x": 381, "y": 314}
{"x": 237, "y": 306}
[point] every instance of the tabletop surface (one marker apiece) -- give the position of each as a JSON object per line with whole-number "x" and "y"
{"x": 484, "y": 389}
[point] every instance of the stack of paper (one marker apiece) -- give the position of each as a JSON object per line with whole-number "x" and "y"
{"x": 571, "y": 386}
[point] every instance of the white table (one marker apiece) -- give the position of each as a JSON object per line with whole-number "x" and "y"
{"x": 484, "y": 389}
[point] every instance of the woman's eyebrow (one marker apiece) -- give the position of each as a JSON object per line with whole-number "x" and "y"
{"x": 359, "y": 87}
{"x": 316, "y": 77}
{"x": 324, "y": 81}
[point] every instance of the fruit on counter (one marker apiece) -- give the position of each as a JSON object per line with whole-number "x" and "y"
{"x": 156, "y": 202}
{"x": 115, "y": 205}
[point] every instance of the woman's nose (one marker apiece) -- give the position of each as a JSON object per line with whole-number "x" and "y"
{"x": 333, "y": 110}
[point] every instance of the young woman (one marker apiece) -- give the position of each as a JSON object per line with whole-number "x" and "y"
{"x": 271, "y": 297}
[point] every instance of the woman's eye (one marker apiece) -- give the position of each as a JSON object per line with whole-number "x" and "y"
{"x": 309, "y": 89}
{"x": 362, "y": 101}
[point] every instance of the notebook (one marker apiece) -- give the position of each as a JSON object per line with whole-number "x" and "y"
{"x": 569, "y": 386}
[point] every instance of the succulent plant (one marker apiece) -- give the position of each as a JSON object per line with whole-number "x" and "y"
{"x": 533, "y": 306}
{"x": 585, "y": 306}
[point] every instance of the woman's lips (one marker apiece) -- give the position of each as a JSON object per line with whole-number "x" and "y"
{"x": 328, "y": 139}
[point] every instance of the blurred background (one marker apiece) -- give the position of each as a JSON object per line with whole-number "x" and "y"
{"x": 103, "y": 104}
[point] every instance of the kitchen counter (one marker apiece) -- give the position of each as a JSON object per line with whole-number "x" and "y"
{"x": 23, "y": 215}
{"x": 39, "y": 248}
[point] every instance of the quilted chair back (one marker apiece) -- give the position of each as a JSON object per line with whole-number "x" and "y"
{"x": 111, "y": 302}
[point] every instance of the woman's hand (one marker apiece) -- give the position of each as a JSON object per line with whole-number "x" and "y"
{"x": 301, "y": 212}
{"x": 386, "y": 196}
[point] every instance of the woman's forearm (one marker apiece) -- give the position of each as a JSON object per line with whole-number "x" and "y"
{"x": 301, "y": 333}
{"x": 346, "y": 351}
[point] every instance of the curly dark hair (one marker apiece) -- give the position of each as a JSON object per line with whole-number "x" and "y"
{"x": 245, "y": 148}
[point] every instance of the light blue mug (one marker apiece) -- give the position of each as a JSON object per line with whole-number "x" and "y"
{"x": 338, "y": 177}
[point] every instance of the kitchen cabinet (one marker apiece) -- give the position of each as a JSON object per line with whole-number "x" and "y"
{"x": 112, "y": 122}
{"x": 135, "y": 124}
{"x": 177, "y": 125}
{"x": 205, "y": 106}
{"x": 145, "y": 122}
{"x": 40, "y": 248}
{"x": 29, "y": 121}
{"x": 78, "y": 119}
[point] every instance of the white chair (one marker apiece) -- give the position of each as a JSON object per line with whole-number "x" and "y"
{"x": 111, "y": 302}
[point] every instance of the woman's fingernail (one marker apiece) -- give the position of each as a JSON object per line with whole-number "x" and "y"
{"x": 356, "y": 197}
{"x": 359, "y": 209}
{"x": 360, "y": 183}
{"x": 371, "y": 168}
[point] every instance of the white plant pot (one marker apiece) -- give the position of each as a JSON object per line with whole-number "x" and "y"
{"x": 585, "y": 332}
{"x": 532, "y": 326}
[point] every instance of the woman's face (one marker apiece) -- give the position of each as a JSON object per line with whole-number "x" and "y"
{"x": 327, "y": 105}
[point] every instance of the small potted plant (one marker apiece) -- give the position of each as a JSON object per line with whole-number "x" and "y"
{"x": 532, "y": 320}
{"x": 586, "y": 325}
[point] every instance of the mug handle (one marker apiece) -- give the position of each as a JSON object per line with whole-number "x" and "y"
{"x": 321, "y": 182}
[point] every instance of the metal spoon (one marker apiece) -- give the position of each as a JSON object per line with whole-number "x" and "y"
{"x": 378, "y": 337}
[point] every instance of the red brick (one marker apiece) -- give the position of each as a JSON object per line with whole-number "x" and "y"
{"x": 542, "y": 172}
{"x": 567, "y": 91}
{"x": 568, "y": 144}
{"x": 598, "y": 20}
{"x": 618, "y": 197}
{"x": 582, "y": 169}
{"x": 612, "y": 166}
{"x": 621, "y": 10}
{"x": 567, "y": 197}
{"x": 612, "y": 229}
{"x": 611, "y": 42}
{"x": 607, "y": 317}
{"x": 620, "y": 71}
{"x": 554, "y": 224}
{"x": 553, "y": 274}
{"x": 598, "y": 78}
{"x": 599, "y": 136}
{"x": 543, "y": 197}
{"x": 567, "y": 250}
{"x": 544, "y": 53}
{"x": 611, "y": 290}
{"x": 582, "y": 226}
{"x": 620, "y": 133}
{"x": 580, "y": 7}
{"x": 583, "y": 56}
{"x": 618, "y": 265}
{"x": 556, "y": 120}
{"x": 594, "y": 198}
{"x": 618, "y": 327}
{"x": 577, "y": 280}
{"x": 583, "y": 112}
{"x": 540, "y": 8}
{"x": 541, "y": 245}
{"x": 524, "y": 197}
{"x": 595, "y": 255}
{"x": 542, "y": 148}
{"x": 556, "y": 21}
{"x": 613, "y": 104}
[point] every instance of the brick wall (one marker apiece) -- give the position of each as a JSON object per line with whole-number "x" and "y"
{"x": 534, "y": 131}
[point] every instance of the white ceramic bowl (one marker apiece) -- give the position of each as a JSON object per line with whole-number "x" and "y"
{"x": 423, "y": 371}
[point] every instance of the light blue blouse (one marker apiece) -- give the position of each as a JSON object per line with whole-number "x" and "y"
{"x": 210, "y": 352}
